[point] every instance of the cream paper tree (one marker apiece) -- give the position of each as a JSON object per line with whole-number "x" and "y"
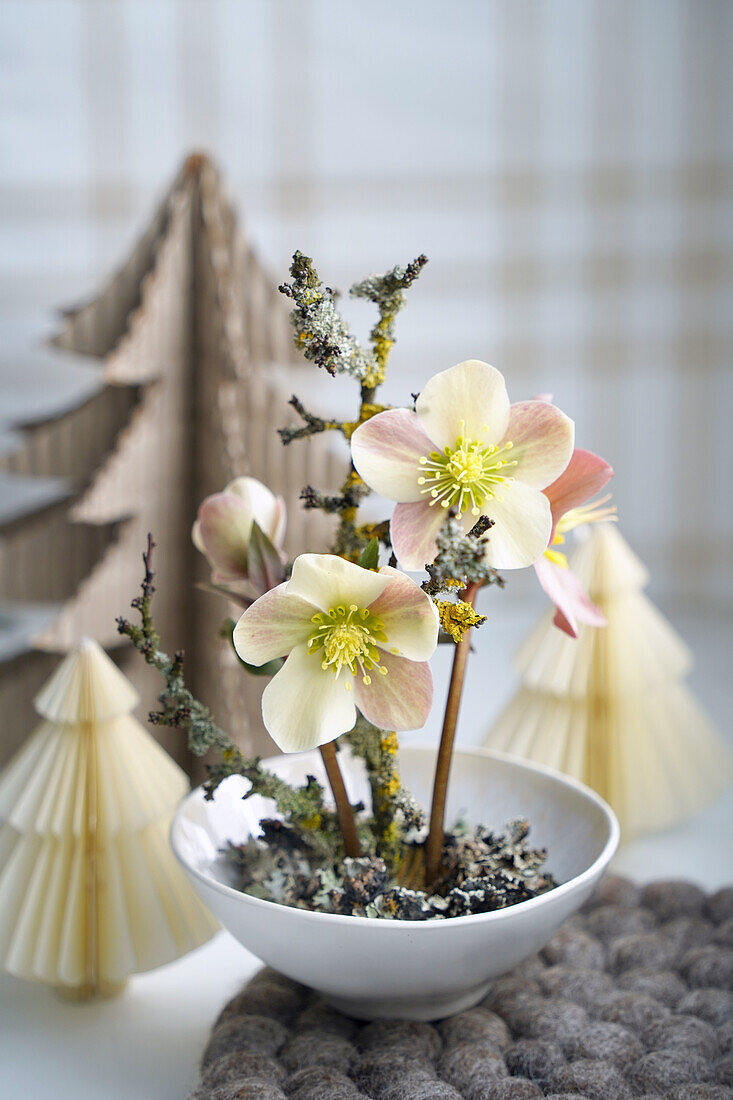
{"x": 90, "y": 891}
{"x": 192, "y": 347}
{"x": 610, "y": 708}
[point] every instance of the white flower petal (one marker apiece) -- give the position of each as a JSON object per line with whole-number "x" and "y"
{"x": 304, "y": 705}
{"x": 473, "y": 393}
{"x": 413, "y": 529}
{"x": 401, "y": 700}
{"x": 327, "y": 581}
{"x": 522, "y": 526}
{"x": 224, "y": 528}
{"x": 409, "y": 616}
{"x": 267, "y": 510}
{"x": 272, "y": 626}
{"x": 542, "y": 438}
{"x": 386, "y": 452}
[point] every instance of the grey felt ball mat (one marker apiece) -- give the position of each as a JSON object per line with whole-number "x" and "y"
{"x": 632, "y": 998}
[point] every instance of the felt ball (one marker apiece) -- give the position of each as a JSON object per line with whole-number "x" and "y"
{"x": 513, "y": 1088}
{"x": 673, "y": 899}
{"x": 607, "y": 1042}
{"x": 375, "y": 1070}
{"x": 319, "y": 1016}
{"x": 592, "y": 1079}
{"x": 476, "y": 1024}
{"x": 688, "y": 932}
{"x": 520, "y": 1010}
{"x": 724, "y": 933}
{"x": 258, "y": 1034}
{"x": 308, "y": 1049}
{"x": 468, "y": 1067}
{"x": 713, "y": 1005}
{"x": 719, "y": 906}
{"x": 634, "y": 1011}
{"x": 505, "y": 990}
{"x": 644, "y": 949}
{"x": 614, "y": 890}
{"x": 700, "y": 1092}
{"x": 684, "y": 1033}
{"x": 265, "y": 999}
{"x": 418, "y": 1039}
{"x": 558, "y": 1021}
{"x": 588, "y": 988}
{"x": 239, "y": 1064}
{"x": 247, "y": 1089}
{"x": 661, "y": 1070}
{"x": 709, "y": 966}
{"x": 662, "y": 985}
{"x": 609, "y": 922}
{"x": 321, "y": 1083}
{"x": 725, "y": 1037}
{"x": 574, "y": 946}
{"x": 724, "y": 1070}
{"x": 535, "y": 1059}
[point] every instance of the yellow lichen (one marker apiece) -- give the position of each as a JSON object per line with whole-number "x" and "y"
{"x": 457, "y": 618}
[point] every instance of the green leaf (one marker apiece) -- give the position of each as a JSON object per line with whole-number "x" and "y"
{"x": 369, "y": 558}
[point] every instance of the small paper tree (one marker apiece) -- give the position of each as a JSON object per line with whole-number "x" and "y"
{"x": 609, "y": 708}
{"x": 89, "y": 889}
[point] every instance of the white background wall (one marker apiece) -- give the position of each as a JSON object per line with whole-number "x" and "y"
{"x": 566, "y": 165}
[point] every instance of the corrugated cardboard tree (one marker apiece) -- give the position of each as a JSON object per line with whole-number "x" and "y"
{"x": 192, "y": 343}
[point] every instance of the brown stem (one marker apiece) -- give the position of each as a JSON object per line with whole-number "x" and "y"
{"x": 344, "y": 810}
{"x": 434, "y": 843}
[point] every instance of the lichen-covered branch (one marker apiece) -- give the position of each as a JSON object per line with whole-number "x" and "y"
{"x": 395, "y": 813}
{"x": 388, "y": 293}
{"x": 325, "y": 338}
{"x": 460, "y": 558}
{"x": 179, "y": 708}
{"x": 320, "y": 331}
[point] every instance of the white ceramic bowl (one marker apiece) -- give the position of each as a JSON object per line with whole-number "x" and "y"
{"x": 369, "y": 967}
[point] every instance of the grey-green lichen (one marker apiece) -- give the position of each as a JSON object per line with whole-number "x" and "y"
{"x": 460, "y": 558}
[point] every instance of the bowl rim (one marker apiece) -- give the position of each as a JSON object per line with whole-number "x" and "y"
{"x": 495, "y": 916}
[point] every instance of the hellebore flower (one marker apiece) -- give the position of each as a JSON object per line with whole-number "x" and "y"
{"x": 466, "y": 447}
{"x": 353, "y": 637}
{"x": 583, "y": 477}
{"x": 241, "y": 530}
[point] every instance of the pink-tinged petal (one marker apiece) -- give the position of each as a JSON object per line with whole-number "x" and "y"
{"x": 386, "y": 452}
{"x": 264, "y": 507}
{"x": 468, "y": 400}
{"x": 569, "y": 597}
{"x": 305, "y": 705}
{"x": 328, "y": 581}
{"x": 224, "y": 527}
{"x": 196, "y": 537}
{"x": 409, "y": 616}
{"x": 413, "y": 530}
{"x": 402, "y": 699}
{"x": 583, "y": 477}
{"x": 272, "y": 626}
{"x": 522, "y": 526}
{"x": 543, "y": 397}
{"x": 542, "y": 438}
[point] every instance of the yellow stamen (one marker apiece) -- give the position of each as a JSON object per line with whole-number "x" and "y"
{"x": 346, "y": 638}
{"x": 466, "y": 475}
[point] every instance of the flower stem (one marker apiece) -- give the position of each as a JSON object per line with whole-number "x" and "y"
{"x": 434, "y": 843}
{"x": 344, "y": 809}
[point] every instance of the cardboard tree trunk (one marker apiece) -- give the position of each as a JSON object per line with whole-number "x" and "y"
{"x": 610, "y": 708}
{"x": 193, "y": 347}
{"x": 90, "y": 891}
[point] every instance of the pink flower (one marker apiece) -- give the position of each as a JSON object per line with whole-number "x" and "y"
{"x": 353, "y": 637}
{"x": 584, "y": 476}
{"x": 466, "y": 447}
{"x": 224, "y": 531}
